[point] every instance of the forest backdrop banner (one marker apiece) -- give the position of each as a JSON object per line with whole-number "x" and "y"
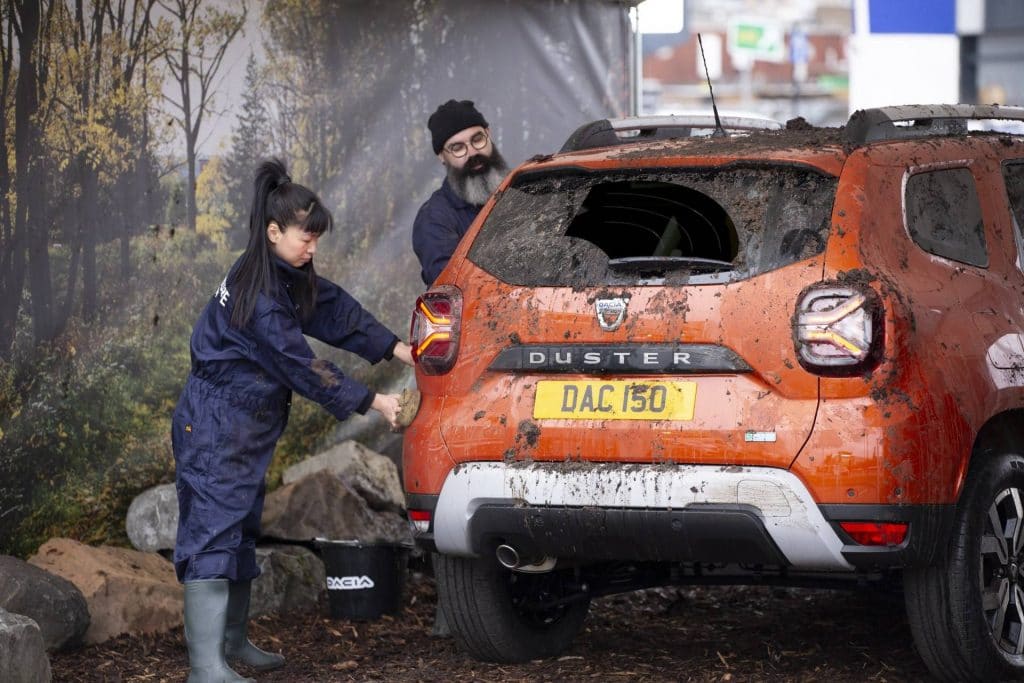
{"x": 119, "y": 217}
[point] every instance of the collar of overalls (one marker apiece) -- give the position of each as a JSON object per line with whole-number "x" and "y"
{"x": 288, "y": 273}
{"x": 291, "y": 280}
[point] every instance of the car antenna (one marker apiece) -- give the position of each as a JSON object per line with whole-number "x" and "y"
{"x": 719, "y": 131}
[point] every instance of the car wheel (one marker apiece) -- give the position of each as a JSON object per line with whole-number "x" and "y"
{"x": 968, "y": 616}
{"x": 498, "y": 615}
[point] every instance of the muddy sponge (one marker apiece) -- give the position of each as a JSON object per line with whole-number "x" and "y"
{"x": 408, "y": 405}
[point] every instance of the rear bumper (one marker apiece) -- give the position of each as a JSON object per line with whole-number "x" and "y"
{"x": 930, "y": 528}
{"x": 708, "y": 533}
{"x": 636, "y": 512}
{"x": 607, "y": 511}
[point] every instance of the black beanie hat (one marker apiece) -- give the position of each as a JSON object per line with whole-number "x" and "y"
{"x": 450, "y": 118}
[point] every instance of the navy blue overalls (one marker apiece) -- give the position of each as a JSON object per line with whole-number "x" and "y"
{"x": 235, "y": 406}
{"x": 440, "y": 224}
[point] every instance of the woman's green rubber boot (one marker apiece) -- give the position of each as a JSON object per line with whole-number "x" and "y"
{"x": 206, "y": 609}
{"x": 237, "y": 646}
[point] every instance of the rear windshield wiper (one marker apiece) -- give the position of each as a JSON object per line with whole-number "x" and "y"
{"x": 634, "y": 264}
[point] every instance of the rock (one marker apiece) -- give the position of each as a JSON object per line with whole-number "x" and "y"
{"x": 321, "y": 505}
{"x": 22, "y": 652}
{"x": 152, "y": 520}
{"x": 371, "y": 475}
{"x": 292, "y": 580}
{"x": 55, "y": 604}
{"x": 126, "y": 591}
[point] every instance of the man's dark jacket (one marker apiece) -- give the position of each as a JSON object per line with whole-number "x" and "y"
{"x": 440, "y": 224}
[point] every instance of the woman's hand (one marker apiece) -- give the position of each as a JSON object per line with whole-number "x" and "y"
{"x": 403, "y": 352}
{"x": 388, "y": 406}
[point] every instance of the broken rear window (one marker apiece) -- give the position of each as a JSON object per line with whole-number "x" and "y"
{"x": 578, "y": 228}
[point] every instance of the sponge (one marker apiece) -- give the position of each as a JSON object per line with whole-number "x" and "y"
{"x": 408, "y": 405}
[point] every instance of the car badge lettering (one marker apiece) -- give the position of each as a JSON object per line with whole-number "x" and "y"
{"x": 349, "y": 583}
{"x": 611, "y": 313}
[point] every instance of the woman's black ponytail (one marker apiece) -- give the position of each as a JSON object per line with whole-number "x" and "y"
{"x": 275, "y": 199}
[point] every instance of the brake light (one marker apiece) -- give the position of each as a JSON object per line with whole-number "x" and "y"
{"x": 420, "y": 520}
{"x": 435, "y": 329}
{"x": 838, "y": 329}
{"x": 876, "y": 533}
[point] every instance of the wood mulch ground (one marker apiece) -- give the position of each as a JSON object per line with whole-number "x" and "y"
{"x": 725, "y": 633}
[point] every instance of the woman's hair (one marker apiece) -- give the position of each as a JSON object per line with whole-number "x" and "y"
{"x": 276, "y": 199}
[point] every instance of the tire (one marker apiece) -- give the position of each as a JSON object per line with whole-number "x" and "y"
{"x": 967, "y": 616}
{"x": 484, "y": 605}
{"x": 927, "y": 603}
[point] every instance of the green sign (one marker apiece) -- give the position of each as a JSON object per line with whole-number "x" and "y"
{"x": 757, "y": 39}
{"x": 749, "y": 36}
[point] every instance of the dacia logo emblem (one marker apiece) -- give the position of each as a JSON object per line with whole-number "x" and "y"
{"x": 349, "y": 583}
{"x": 611, "y": 313}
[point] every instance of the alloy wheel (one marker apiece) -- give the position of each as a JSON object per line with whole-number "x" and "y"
{"x": 1002, "y": 571}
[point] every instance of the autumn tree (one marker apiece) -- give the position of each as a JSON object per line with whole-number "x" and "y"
{"x": 306, "y": 73}
{"x": 77, "y": 108}
{"x": 213, "y": 217}
{"x": 202, "y": 34}
{"x": 133, "y": 67}
{"x": 94, "y": 87}
{"x": 330, "y": 67}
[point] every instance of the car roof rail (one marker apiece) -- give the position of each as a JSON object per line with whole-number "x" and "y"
{"x": 608, "y": 132}
{"x": 872, "y": 125}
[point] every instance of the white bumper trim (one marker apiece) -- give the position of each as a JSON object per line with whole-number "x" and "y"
{"x": 790, "y": 515}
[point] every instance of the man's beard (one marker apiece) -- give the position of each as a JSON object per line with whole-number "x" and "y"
{"x": 475, "y": 185}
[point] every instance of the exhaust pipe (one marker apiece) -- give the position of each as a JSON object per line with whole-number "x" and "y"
{"x": 510, "y": 558}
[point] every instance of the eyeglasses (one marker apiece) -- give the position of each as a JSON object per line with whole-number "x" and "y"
{"x": 460, "y": 149}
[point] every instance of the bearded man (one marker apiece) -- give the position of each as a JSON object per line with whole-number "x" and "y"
{"x": 474, "y": 169}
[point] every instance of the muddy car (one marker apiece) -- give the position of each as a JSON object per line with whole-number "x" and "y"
{"x": 790, "y": 356}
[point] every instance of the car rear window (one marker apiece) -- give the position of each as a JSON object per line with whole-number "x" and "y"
{"x": 579, "y": 228}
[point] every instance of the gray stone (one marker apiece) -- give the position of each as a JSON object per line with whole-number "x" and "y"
{"x": 321, "y": 505}
{"x": 54, "y": 603}
{"x": 371, "y": 475}
{"x": 152, "y": 520}
{"x": 292, "y": 580}
{"x": 22, "y": 652}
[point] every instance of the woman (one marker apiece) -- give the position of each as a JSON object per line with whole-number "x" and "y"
{"x": 248, "y": 355}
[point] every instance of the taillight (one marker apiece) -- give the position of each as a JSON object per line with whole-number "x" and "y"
{"x": 420, "y": 520}
{"x": 876, "y": 533}
{"x": 838, "y": 329}
{"x": 435, "y": 329}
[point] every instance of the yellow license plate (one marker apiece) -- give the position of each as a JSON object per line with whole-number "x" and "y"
{"x": 614, "y": 400}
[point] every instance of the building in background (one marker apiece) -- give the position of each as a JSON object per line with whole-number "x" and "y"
{"x": 927, "y": 51}
{"x": 823, "y": 59}
{"x": 906, "y": 52}
{"x": 991, "y": 51}
{"x": 778, "y": 58}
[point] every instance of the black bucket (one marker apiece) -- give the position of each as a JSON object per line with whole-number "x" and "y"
{"x": 364, "y": 580}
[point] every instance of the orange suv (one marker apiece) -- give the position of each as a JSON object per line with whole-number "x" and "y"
{"x": 683, "y": 352}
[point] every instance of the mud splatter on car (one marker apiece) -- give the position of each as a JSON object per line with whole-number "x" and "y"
{"x": 793, "y": 355}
